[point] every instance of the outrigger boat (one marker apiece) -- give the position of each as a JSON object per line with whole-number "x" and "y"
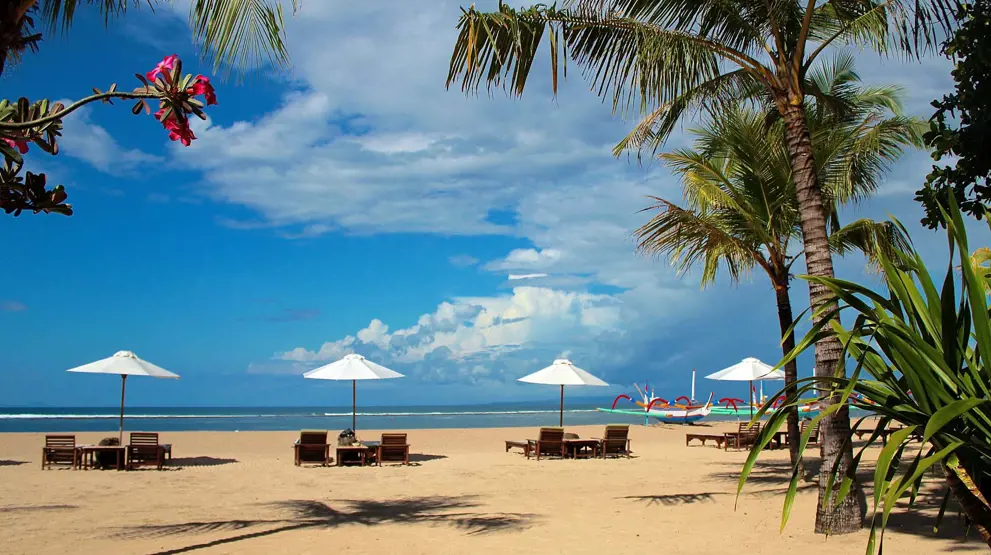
{"x": 652, "y": 406}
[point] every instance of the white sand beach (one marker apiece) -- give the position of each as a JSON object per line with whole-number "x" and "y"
{"x": 240, "y": 493}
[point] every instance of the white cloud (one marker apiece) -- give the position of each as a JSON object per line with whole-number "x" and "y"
{"x": 471, "y": 333}
{"x": 370, "y": 142}
{"x": 514, "y": 277}
{"x": 93, "y": 144}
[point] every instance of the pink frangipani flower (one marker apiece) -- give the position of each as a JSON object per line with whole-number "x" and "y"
{"x": 21, "y": 145}
{"x": 201, "y": 85}
{"x": 165, "y": 65}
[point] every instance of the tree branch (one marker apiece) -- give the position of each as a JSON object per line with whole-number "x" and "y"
{"x": 21, "y": 125}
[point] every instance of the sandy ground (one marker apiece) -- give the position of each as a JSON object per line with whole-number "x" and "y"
{"x": 240, "y": 493}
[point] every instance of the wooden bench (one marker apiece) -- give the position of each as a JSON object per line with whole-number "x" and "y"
{"x": 59, "y": 449}
{"x": 719, "y": 439}
{"x": 524, "y": 445}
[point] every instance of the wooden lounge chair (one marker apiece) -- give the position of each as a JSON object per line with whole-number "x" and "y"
{"x": 745, "y": 436}
{"x": 524, "y": 445}
{"x": 615, "y": 441}
{"x": 311, "y": 447}
{"x": 550, "y": 442}
{"x": 143, "y": 449}
{"x": 393, "y": 448}
{"x": 814, "y": 436}
{"x": 720, "y": 439}
{"x": 60, "y": 449}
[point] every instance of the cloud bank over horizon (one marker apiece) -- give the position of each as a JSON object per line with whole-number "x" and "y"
{"x": 366, "y": 141}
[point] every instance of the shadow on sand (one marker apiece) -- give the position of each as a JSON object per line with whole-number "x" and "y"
{"x": 917, "y": 521}
{"x": 5, "y": 462}
{"x": 304, "y": 514}
{"x": 36, "y": 508}
{"x": 709, "y": 496}
{"x": 199, "y": 461}
{"x": 952, "y": 534}
{"x": 415, "y": 458}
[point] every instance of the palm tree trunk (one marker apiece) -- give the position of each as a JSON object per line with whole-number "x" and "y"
{"x": 848, "y": 517}
{"x": 971, "y": 500}
{"x": 785, "y": 319}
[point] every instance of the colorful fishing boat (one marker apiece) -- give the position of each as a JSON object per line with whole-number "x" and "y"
{"x": 661, "y": 410}
{"x": 682, "y": 411}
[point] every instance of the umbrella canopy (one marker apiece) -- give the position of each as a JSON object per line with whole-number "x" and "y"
{"x": 562, "y": 373}
{"x": 748, "y": 370}
{"x": 124, "y": 364}
{"x": 352, "y": 367}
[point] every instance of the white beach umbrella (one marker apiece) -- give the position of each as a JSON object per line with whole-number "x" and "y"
{"x": 748, "y": 370}
{"x": 124, "y": 363}
{"x": 562, "y": 373}
{"x": 352, "y": 367}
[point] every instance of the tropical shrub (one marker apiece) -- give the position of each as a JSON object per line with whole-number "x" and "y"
{"x": 921, "y": 359}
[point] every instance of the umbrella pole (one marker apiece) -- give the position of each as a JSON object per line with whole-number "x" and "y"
{"x": 561, "y": 419}
{"x": 354, "y": 405}
{"x": 123, "y": 383}
{"x": 750, "y": 393}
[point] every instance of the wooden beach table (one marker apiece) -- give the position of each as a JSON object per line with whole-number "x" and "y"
{"x": 88, "y": 455}
{"x": 582, "y": 448}
{"x": 365, "y": 453}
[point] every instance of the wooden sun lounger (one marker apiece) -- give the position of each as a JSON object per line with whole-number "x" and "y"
{"x": 524, "y": 445}
{"x": 143, "y": 449}
{"x": 745, "y": 436}
{"x": 311, "y": 447}
{"x": 393, "y": 448}
{"x": 615, "y": 441}
{"x": 720, "y": 439}
{"x": 549, "y": 443}
{"x": 59, "y": 449}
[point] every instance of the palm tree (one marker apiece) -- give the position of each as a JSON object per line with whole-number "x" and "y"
{"x": 741, "y": 210}
{"x": 238, "y": 35}
{"x": 668, "y": 57}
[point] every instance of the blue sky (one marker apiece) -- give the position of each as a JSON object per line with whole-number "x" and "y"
{"x": 355, "y": 205}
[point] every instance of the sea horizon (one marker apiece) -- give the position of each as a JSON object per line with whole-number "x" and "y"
{"x": 332, "y": 417}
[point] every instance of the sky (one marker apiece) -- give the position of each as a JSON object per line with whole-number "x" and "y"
{"x": 355, "y": 205}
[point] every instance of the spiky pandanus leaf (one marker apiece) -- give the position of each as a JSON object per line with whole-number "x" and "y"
{"x": 923, "y": 353}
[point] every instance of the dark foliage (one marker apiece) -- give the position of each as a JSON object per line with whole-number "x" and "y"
{"x": 967, "y": 137}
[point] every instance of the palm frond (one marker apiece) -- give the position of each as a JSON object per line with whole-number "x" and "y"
{"x": 634, "y": 63}
{"x": 241, "y": 35}
{"x": 689, "y": 237}
{"x": 234, "y": 35}
{"x": 713, "y": 96}
{"x": 872, "y": 238}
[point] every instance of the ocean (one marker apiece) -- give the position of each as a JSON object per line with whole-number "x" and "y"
{"x": 154, "y": 419}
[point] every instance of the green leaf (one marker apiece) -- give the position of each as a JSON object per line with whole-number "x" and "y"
{"x": 881, "y": 469}
{"x": 947, "y": 414}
